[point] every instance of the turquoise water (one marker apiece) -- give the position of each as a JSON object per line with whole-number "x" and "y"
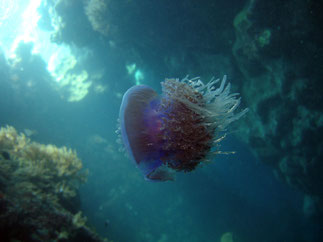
{"x": 67, "y": 88}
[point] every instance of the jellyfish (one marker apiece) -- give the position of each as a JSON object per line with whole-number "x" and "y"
{"x": 179, "y": 129}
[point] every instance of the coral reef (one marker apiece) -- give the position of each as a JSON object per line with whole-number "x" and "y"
{"x": 62, "y": 12}
{"x": 39, "y": 191}
{"x": 73, "y": 84}
{"x": 96, "y": 10}
{"x": 279, "y": 59}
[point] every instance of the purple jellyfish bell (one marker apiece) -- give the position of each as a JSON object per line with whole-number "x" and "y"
{"x": 175, "y": 131}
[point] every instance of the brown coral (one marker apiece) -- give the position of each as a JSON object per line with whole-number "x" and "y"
{"x": 39, "y": 191}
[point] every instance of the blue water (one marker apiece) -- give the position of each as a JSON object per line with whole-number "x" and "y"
{"x": 235, "y": 194}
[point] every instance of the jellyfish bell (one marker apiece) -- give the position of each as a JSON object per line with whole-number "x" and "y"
{"x": 176, "y": 130}
{"x": 140, "y": 124}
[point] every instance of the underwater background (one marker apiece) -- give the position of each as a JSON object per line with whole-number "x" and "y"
{"x": 64, "y": 67}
